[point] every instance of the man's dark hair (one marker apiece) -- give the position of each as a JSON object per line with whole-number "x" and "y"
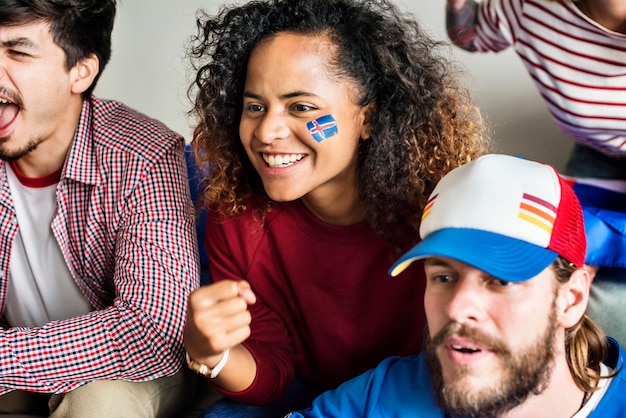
{"x": 79, "y": 27}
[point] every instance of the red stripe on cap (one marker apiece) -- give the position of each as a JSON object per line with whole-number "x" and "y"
{"x": 540, "y": 202}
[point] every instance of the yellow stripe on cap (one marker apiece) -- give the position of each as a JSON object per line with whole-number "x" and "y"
{"x": 537, "y": 222}
{"x": 400, "y": 267}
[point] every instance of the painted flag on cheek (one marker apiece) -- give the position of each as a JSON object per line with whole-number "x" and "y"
{"x": 322, "y": 128}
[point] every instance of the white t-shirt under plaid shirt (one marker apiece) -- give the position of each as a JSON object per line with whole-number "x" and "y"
{"x": 41, "y": 288}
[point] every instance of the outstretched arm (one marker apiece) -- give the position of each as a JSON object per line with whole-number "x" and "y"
{"x": 460, "y": 21}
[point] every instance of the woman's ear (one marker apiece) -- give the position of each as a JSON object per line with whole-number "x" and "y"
{"x": 366, "y": 113}
{"x": 84, "y": 73}
{"x": 573, "y": 298}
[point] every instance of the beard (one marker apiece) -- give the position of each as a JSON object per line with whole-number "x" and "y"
{"x": 30, "y": 145}
{"x": 16, "y": 154}
{"x": 523, "y": 373}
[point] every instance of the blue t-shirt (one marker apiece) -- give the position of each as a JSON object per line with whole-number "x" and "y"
{"x": 401, "y": 387}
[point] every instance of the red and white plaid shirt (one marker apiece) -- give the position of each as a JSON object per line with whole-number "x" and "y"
{"x": 126, "y": 226}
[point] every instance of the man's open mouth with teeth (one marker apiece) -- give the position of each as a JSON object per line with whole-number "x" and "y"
{"x": 463, "y": 343}
{"x": 282, "y": 160}
{"x": 463, "y": 349}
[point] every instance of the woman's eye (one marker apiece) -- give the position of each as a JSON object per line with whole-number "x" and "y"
{"x": 299, "y": 107}
{"x": 253, "y": 108}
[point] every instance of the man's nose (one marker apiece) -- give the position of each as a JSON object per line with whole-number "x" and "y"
{"x": 467, "y": 301}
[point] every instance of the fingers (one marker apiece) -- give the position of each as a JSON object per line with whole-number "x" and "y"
{"x": 245, "y": 291}
{"x": 218, "y": 318}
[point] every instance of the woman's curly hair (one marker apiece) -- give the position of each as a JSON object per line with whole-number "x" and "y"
{"x": 423, "y": 124}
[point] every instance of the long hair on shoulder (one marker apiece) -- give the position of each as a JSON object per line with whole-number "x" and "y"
{"x": 585, "y": 343}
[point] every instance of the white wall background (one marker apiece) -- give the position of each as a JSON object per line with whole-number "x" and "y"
{"x": 149, "y": 72}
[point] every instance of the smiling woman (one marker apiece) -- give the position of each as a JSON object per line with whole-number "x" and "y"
{"x": 149, "y": 72}
{"x": 324, "y": 125}
{"x": 287, "y": 94}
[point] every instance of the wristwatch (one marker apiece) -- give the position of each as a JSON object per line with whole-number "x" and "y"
{"x": 205, "y": 370}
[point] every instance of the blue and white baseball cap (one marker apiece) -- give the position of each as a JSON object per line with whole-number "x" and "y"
{"x": 504, "y": 215}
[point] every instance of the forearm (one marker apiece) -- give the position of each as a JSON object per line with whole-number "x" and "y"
{"x": 238, "y": 373}
{"x": 134, "y": 254}
{"x": 136, "y": 338}
{"x": 108, "y": 344}
{"x": 273, "y": 375}
{"x": 255, "y": 379}
{"x": 257, "y": 370}
{"x": 460, "y": 21}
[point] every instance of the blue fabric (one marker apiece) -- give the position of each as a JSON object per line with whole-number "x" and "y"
{"x": 397, "y": 387}
{"x": 194, "y": 187}
{"x": 299, "y": 395}
{"x": 613, "y": 403}
{"x": 605, "y": 225}
{"x": 401, "y": 387}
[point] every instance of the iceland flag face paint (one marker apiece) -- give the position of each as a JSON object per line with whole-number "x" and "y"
{"x": 322, "y": 128}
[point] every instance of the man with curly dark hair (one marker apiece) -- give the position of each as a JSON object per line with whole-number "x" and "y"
{"x": 98, "y": 251}
{"x": 323, "y": 126}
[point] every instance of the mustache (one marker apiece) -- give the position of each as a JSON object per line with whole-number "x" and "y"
{"x": 455, "y": 329}
{"x": 12, "y": 96}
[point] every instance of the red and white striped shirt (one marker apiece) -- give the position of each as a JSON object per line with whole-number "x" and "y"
{"x": 578, "y": 66}
{"x": 126, "y": 227}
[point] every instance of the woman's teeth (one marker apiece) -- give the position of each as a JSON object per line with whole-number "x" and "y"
{"x": 283, "y": 160}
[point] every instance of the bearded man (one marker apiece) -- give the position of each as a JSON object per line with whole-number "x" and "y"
{"x": 503, "y": 246}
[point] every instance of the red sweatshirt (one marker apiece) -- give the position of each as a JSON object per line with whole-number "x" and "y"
{"x": 326, "y": 308}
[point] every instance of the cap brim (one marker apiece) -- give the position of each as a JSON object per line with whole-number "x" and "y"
{"x": 503, "y": 257}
